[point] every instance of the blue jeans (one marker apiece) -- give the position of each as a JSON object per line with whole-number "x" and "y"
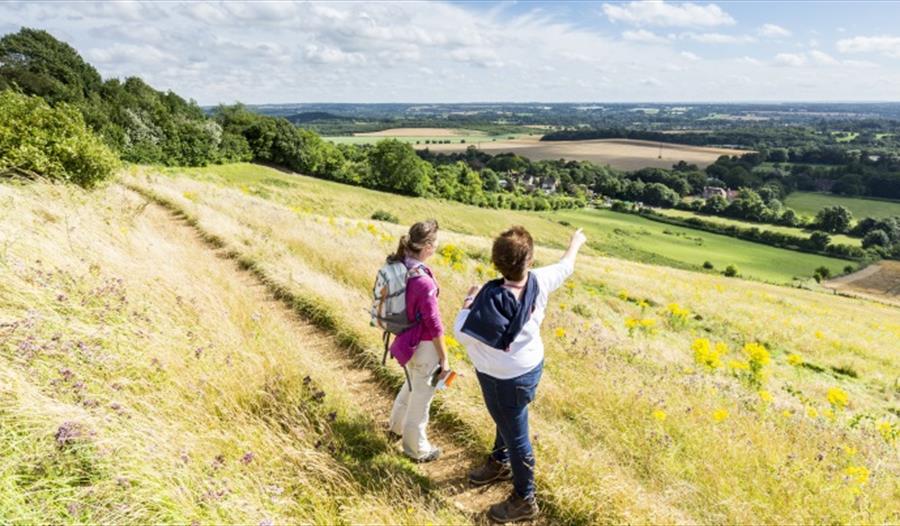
{"x": 507, "y": 402}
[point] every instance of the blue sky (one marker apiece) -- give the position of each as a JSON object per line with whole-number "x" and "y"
{"x": 270, "y": 52}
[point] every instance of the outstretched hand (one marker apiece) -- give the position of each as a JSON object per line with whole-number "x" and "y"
{"x": 578, "y": 238}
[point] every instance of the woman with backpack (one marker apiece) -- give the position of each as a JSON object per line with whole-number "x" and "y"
{"x": 420, "y": 347}
{"x": 501, "y": 330}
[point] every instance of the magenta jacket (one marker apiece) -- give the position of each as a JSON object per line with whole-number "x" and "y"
{"x": 421, "y": 304}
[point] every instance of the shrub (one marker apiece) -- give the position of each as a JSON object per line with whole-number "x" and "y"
{"x": 37, "y": 140}
{"x": 730, "y": 271}
{"x": 848, "y": 269}
{"x": 823, "y": 273}
{"x": 708, "y": 265}
{"x": 381, "y": 215}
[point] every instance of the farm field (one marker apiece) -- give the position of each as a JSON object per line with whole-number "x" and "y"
{"x": 419, "y": 136}
{"x": 809, "y": 204}
{"x": 624, "y": 154}
{"x": 881, "y": 280}
{"x": 640, "y": 416}
{"x": 685, "y": 214}
{"x": 617, "y": 234}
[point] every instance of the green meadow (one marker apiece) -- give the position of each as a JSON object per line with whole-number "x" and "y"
{"x": 612, "y": 233}
{"x": 809, "y": 203}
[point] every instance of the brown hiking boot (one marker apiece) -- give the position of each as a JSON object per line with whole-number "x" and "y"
{"x": 491, "y": 471}
{"x": 514, "y": 509}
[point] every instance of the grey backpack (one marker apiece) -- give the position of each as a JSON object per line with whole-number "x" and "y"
{"x": 389, "y": 302}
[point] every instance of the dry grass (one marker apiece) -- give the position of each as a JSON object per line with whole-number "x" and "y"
{"x": 144, "y": 381}
{"x": 628, "y": 427}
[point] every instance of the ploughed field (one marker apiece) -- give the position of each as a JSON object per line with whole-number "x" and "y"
{"x": 669, "y": 395}
{"x": 624, "y": 154}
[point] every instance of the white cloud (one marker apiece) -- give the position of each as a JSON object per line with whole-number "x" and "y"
{"x": 329, "y": 55}
{"x": 790, "y": 59}
{"x": 644, "y": 36}
{"x": 718, "y": 38}
{"x": 483, "y": 57}
{"x": 822, "y": 58}
{"x": 884, "y": 44}
{"x": 772, "y": 31}
{"x": 399, "y": 51}
{"x": 659, "y": 13}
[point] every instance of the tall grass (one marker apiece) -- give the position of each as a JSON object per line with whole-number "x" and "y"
{"x": 628, "y": 425}
{"x": 147, "y": 380}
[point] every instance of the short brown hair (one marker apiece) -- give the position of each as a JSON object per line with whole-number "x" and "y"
{"x": 512, "y": 253}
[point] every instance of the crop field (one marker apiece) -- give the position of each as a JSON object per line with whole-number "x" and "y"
{"x": 685, "y": 214}
{"x": 809, "y": 203}
{"x": 669, "y": 396}
{"x": 881, "y": 280}
{"x": 420, "y": 137}
{"x": 624, "y": 154}
{"x": 617, "y": 234}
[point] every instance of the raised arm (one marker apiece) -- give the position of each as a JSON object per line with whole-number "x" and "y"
{"x": 578, "y": 239}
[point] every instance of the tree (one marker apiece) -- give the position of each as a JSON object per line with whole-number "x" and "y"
{"x": 395, "y": 166}
{"x": 36, "y": 139}
{"x": 819, "y": 240}
{"x": 876, "y": 238}
{"x": 39, "y": 64}
{"x": 834, "y": 219}
{"x": 658, "y": 194}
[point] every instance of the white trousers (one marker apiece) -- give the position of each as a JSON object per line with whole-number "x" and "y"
{"x": 409, "y": 416}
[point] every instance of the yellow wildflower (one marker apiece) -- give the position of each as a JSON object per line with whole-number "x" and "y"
{"x": 659, "y": 415}
{"x": 811, "y": 412}
{"x": 837, "y": 397}
{"x": 848, "y": 450}
{"x": 795, "y": 359}
{"x": 858, "y": 474}
{"x": 560, "y": 332}
{"x": 648, "y": 323}
{"x": 786, "y": 413}
{"x": 887, "y": 430}
{"x": 757, "y": 354}
{"x": 623, "y": 296}
{"x": 631, "y": 323}
{"x": 819, "y": 335}
{"x": 765, "y": 396}
{"x": 705, "y": 354}
{"x": 562, "y": 306}
{"x": 720, "y": 415}
{"x": 738, "y": 365}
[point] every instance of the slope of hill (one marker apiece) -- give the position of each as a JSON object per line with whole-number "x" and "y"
{"x": 641, "y": 416}
{"x": 144, "y": 380}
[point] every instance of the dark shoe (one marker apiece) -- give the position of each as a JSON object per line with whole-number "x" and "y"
{"x": 491, "y": 471}
{"x": 432, "y": 455}
{"x": 514, "y": 509}
{"x": 393, "y": 437}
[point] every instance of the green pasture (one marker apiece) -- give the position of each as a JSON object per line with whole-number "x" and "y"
{"x": 809, "y": 203}
{"x": 617, "y": 234}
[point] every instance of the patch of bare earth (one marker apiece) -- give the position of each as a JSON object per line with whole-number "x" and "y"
{"x": 880, "y": 280}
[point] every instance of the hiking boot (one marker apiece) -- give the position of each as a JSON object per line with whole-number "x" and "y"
{"x": 514, "y": 509}
{"x": 491, "y": 471}
{"x": 432, "y": 455}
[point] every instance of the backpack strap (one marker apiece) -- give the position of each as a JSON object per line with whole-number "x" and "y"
{"x": 386, "y": 338}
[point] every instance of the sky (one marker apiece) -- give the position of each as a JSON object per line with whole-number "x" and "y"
{"x": 650, "y": 51}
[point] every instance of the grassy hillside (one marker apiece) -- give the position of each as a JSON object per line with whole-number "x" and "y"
{"x": 641, "y": 416}
{"x": 617, "y": 234}
{"x": 685, "y": 214}
{"x": 678, "y": 246}
{"x": 143, "y": 381}
{"x": 809, "y": 203}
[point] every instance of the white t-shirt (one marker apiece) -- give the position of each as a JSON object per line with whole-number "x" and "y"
{"x": 527, "y": 350}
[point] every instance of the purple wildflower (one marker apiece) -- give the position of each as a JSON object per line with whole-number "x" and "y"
{"x": 68, "y": 432}
{"x": 247, "y": 458}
